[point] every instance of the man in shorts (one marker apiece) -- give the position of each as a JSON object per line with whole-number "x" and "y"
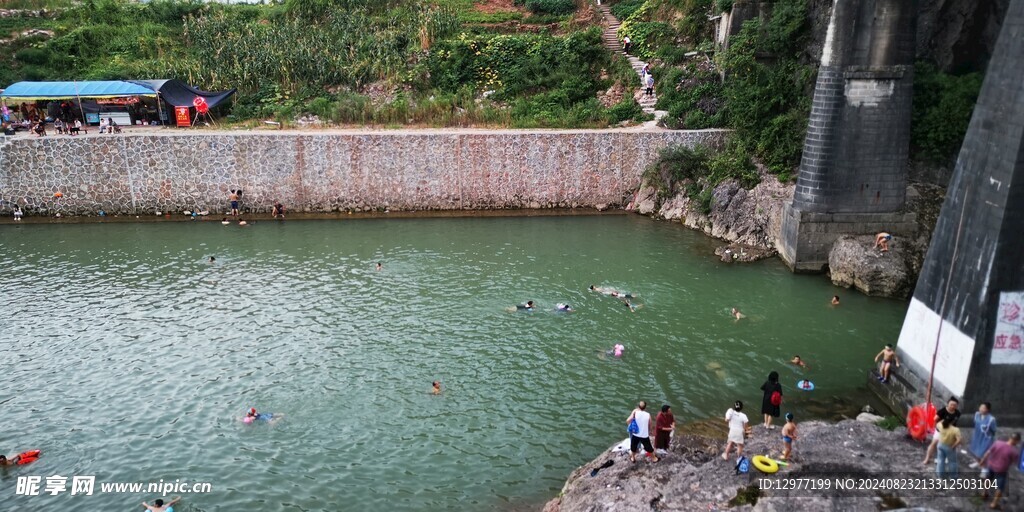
{"x": 999, "y": 459}
{"x": 643, "y": 435}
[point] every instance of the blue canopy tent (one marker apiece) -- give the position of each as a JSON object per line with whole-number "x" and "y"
{"x": 64, "y": 90}
{"x": 173, "y": 92}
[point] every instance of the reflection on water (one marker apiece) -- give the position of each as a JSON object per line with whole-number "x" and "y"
{"x": 129, "y": 357}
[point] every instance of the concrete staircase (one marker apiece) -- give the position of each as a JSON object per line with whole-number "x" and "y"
{"x": 611, "y": 41}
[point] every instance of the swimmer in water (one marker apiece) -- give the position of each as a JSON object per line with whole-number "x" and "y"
{"x": 436, "y": 389}
{"x": 632, "y": 308}
{"x": 736, "y": 313}
{"x": 799, "y": 362}
{"x": 620, "y": 295}
{"x": 835, "y": 300}
{"x": 564, "y": 307}
{"x": 212, "y": 260}
{"x": 159, "y": 505}
{"x": 526, "y": 307}
{"x": 4, "y": 461}
{"x": 616, "y": 350}
{"x": 225, "y": 221}
{"x": 242, "y": 222}
{"x": 253, "y": 416}
{"x": 379, "y": 266}
{"x": 805, "y": 384}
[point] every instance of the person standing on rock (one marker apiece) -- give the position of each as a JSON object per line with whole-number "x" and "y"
{"x": 772, "y": 399}
{"x": 642, "y": 436}
{"x": 999, "y": 459}
{"x": 949, "y": 440}
{"x": 984, "y": 431}
{"x": 664, "y": 424}
{"x": 737, "y": 422}
{"x": 950, "y": 411}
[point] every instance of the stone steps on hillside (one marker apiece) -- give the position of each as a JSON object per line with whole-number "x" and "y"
{"x": 610, "y": 38}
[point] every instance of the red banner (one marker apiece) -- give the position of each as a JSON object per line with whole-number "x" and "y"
{"x": 181, "y": 114}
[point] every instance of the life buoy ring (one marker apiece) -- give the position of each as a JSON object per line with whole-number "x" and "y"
{"x": 918, "y": 421}
{"x": 765, "y": 465}
{"x": 29, "y": 456}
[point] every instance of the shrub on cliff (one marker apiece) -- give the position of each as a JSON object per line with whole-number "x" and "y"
{"x": 943, "y": 105}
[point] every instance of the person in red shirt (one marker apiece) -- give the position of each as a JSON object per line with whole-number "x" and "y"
{"x": 999, "y": 459}
{"x": 664, "y": 424}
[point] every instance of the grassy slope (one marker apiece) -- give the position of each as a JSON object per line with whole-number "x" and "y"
{"x": 347, "y": 67}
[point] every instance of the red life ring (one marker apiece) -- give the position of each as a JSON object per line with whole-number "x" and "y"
{"x": 919, "y": 421}
{"x": 29, "y": 456}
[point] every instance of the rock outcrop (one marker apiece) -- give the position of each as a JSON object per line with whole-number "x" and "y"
{"x": 854, "y": 262}
{"x": 693, "y": 477}
{"x": 751, "y": 218}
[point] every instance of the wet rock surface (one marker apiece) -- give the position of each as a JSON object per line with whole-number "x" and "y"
{"x": 693, "y": 477}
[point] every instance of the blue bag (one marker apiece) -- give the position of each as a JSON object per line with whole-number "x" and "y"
{"x": 633, "y": 428}
{"x": 743, "y": 465}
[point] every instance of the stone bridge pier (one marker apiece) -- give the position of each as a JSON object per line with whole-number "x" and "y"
{"x": 965, "y": 324}
{"x": 852, "y": 178}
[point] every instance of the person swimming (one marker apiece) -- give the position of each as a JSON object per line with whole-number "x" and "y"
{"x": 212, "y": 260}
{"x": 805, "y": 384}
{"x": 797, "y": 361}
{"x": 436, "y": 387}
{"x": 632, "y": 308}
{"x": 564, "y": 307}
{"x": 736, "y": 313}
{"x": 379, "y": 266}
{"x": 835, "y": 300}
{"x": 616, "y": 350}
{"x": 620, "y": 295}
{"x": 225, "y": 221}
{"x": 242, "y": 222}
{"x": 254, "y": 416}
{"x": 526, "y": 307}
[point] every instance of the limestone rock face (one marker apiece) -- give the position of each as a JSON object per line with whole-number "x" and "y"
{"x": 854, "y": 262}
{"x": 752, "y": 218}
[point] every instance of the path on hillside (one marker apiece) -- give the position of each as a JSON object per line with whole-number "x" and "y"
{"x": 611, "y": 41}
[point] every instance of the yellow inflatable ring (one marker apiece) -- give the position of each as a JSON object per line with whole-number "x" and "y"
{"x": 764, "y": 464}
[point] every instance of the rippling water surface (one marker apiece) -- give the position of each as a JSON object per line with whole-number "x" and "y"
{"x": 127, "y": 356}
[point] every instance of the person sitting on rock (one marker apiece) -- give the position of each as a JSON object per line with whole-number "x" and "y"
{"x": 882, "y": 241}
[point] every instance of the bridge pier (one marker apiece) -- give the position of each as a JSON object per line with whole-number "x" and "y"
{"x": 966, "y": 319}
{"x": 853, "y": 175}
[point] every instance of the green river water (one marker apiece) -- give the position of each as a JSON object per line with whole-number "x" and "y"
{"x": 128, "y": 357}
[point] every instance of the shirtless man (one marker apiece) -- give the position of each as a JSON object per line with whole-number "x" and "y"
{"x": 736, "y": 313}
{"x": 159, "y": 505}
{"x": 234, "y": 201}
{"x": 888, "y": 357}
{"x": 436, "y": 389}
{"x": 882, "y": 240}
{"x": 799, "y": 362}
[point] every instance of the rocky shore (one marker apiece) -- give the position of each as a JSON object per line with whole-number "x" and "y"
{"x": 750, "y": 222}
{"x": 693, "y": 477}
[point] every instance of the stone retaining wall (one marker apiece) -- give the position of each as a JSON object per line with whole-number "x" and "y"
{"x": 330, "y": 171}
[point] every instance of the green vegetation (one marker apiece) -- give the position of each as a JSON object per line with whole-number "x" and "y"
{"x": 943, "y": 105}
{"x": 890, "y": 422}
{"x": 429, "y": 62}
{"x": 698, "y": 171}
{"x": 765, "y": 96}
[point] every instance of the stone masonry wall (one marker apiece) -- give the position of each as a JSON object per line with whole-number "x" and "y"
{"x": 330, "y": 171}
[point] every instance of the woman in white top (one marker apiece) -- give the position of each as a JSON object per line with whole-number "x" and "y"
{"x": 737, "y": 427}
